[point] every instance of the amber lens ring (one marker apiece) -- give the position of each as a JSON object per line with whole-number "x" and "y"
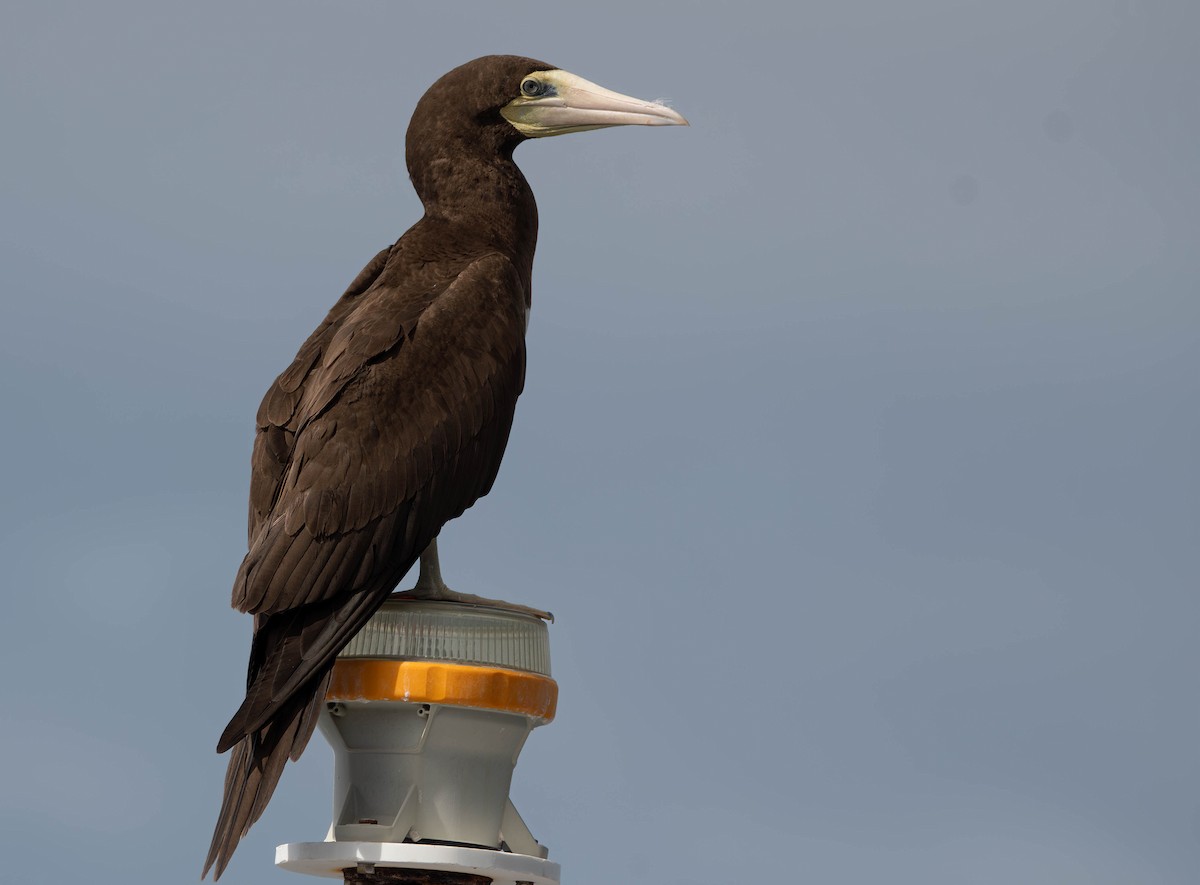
{"x": 449, "y": 684}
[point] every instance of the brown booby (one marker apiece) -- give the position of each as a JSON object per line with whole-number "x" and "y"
{"x": 394, "y": 415}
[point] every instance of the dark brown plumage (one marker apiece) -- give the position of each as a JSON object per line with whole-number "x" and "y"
{"x": 391, "y": 420}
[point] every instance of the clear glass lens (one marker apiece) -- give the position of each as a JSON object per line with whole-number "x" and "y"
{"x": 409, "y": 629}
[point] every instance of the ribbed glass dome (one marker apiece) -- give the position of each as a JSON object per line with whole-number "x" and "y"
{"x": 414, "y": 629}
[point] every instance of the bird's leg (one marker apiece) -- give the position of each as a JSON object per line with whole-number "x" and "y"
{"x": 431, "y": 586}
{"x": 429, "y": 583}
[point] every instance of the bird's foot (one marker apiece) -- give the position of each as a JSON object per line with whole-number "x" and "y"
{"x": 441, "y": 593}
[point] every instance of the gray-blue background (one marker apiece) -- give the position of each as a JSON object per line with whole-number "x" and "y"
{"x": 857, "y": 457}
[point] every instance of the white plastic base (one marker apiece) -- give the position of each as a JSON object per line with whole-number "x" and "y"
{"x": 330, "y": 858}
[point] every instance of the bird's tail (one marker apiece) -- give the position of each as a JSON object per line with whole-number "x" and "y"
{"x": 255, "y": 766}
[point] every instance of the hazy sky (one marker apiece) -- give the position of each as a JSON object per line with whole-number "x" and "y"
{"x": 857, "y": 459}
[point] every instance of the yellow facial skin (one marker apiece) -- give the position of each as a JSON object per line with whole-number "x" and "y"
{"x": 557, "y": 102}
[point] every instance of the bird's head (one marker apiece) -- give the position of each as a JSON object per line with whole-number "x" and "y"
{"x": 501, "y": 100}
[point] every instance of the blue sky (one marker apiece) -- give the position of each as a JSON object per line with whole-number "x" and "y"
{"x": 857, "y": 457}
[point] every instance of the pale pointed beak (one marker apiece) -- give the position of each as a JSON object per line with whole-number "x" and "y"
{"x": 573, "y": 104}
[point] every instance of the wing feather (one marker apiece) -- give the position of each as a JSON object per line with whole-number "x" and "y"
{"x": 277, "y": 426}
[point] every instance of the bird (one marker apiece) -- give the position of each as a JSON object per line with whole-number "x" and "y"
{"x": 394, "y": 415}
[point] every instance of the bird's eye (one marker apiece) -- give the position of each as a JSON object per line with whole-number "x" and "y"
{"x": 532, "y": 87}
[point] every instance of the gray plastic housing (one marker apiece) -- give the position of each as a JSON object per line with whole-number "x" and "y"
{"x": 420, "y": 772}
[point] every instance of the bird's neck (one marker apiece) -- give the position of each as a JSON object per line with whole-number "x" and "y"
{"x": 485, "y": 196}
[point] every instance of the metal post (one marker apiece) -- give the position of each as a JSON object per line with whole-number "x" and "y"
{"x": 369, "y": 874}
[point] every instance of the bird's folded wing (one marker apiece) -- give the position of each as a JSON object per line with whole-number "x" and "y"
{"x": 400, "y": 426}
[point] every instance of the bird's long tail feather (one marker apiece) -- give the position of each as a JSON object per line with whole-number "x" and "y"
{"x": 255, "y": 766}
